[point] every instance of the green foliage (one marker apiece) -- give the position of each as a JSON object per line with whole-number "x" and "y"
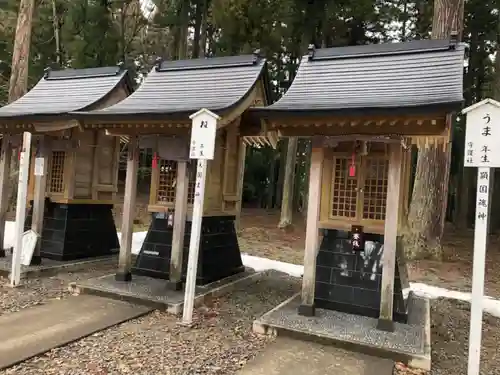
{"x": 104, "y": 32}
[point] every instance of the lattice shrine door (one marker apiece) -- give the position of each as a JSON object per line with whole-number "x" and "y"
{"x": 167, "y": 177}
{"x": 359, "y": 198}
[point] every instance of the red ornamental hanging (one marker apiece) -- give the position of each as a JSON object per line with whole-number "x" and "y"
{"x": 352, "y": 166}
{"x": 155, "y": 161}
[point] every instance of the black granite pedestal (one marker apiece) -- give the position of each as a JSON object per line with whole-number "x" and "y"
{"x": 350, "y": 281}
{"x": 76, "y": 231}
{"x": 219, "y": 254}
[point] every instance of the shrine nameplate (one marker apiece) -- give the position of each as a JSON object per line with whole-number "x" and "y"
{"x": 357, "y": 238}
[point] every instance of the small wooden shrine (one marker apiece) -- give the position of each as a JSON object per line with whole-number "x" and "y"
{"x": 363, "y": 107}
{"x": 156, "y": 116}
{"x": 75, "y": 184}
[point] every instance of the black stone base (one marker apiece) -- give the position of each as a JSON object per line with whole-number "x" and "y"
{"x": 219, "y": 254}
{"x": 307, "y": 310}
{"x": 36, "y": 260}
{"x": 350, "y": 281}
{"x": 121, "y": 276}
{"x": 76, "y": 231}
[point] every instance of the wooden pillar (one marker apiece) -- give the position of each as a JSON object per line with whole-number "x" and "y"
{"x": 240, "y": 182}
{"x": 385, "y": 321}
{"x": 311, "y": 246}
{"x": 5, "y": 156}
{"x": 181, "y": 197}
{"x": 125, "y": 261}
{"x": 39, "y": 196}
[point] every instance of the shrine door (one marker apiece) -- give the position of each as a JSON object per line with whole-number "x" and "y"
{"x": 359, "y": 194}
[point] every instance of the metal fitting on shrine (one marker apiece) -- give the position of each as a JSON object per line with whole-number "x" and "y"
{"x": 158, "y": 62}
{"x": 311, "y": 50}
{"x": 46, "y": 72}
{"x": 256, "y": 55}
{"x": 453, "y": 39}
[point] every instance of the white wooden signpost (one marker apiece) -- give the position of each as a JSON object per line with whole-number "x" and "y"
{"x": 202, "y": 148}
{"x": 482, "y": 131}
{"x": 22, "y": 189}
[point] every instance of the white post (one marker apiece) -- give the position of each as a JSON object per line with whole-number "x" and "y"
{"x": 481, "y": 152}
{"x": 480, "y": 244}
{"x": 194, "y": 242}
{"x": 24, "y": 163}
{"x": 202, "y": 147}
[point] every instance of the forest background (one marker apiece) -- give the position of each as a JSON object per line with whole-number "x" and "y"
{"x": 92, "y": 33}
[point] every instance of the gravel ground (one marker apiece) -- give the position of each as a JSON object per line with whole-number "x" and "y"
{"x": 221, "y": 343}
{"x": 38, "y": 291}
{"x": 450, "y": 344}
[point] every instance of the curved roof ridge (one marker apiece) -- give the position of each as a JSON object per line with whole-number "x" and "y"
{"x": 412, "y": 74}
{"x": 184, "y": 86}
{"x": 65, "y": 91}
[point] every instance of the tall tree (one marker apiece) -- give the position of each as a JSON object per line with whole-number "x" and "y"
{"x": 20, "y": 57}
{"x": 430, "y": 190}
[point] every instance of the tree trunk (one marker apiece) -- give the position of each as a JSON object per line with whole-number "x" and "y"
{"x": 281, "y": 172}
{"x": 430, "y": 190}
{"x": 272, "y": 183}
{"x": 288, "y": 183}
{"x": 18, "y": 84}
{"x": 183, "y": 30}
{"x": 305, "y": 191}
{"x": 204, "y": 29}
{"x": 299, "y": 170}
{"x": 197, "y": 29}
{"x": 55, "y": 24}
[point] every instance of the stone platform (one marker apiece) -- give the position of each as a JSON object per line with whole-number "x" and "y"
{"x": 153, "y": 292}
{"x": 409, "y": 343}
{"x": 50, "y": 267}
{"x": 286, "y": 356}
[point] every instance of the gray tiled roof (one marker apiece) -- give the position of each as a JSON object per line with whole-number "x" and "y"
{"x": 64, "y": 91}
{"x": 379, "y": 76}
{"x": 185, "y": 86}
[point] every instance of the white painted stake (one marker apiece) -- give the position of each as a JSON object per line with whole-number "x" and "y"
{"x": 480, "y": 244}
{"x": 202, "y": 147}
{"x": 194, "y": 242}
{"x": 22, "y": 189}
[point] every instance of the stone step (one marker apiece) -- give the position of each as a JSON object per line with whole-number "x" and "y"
{"x": 287, "y": 356}
{"x": 36, "y": 330}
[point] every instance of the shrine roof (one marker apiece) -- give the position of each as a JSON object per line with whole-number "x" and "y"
{"x": 180, "y": 88}
{"x": 60, "y": 92}
{"x": 378, "y": 78}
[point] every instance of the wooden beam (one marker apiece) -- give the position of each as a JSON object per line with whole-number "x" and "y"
{"x": 39, "y": 198}
{"x": 390, "y": 238}
{"x": 427, "y": 130}
{"x": 181, "y": 197}
{"x": 5, "y": 156}
{"x": 312, "y": 235}
{"x": 125, "y": 261}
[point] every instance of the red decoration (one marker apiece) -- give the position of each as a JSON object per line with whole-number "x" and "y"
{"x": 155, "y": 161}
{"x": 352, "y": 167}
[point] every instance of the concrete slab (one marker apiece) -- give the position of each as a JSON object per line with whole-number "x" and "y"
{"x": 153, "y": 292}
{"x": 409, "y": 343}
{"x": 287, "y": 356}
{"x": 51, "y": 267}
{"x": 34, "y": 331}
